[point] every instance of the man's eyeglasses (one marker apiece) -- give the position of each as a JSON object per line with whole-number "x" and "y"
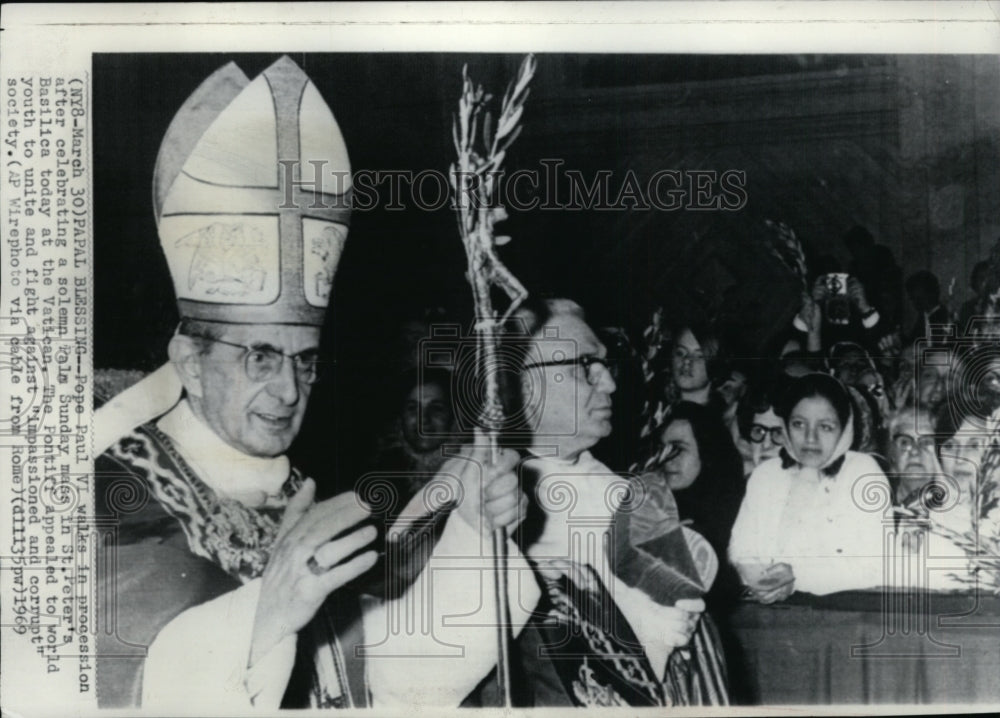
{"x": 759, "y": 431}
{"x": 262, "y": 364}
{"x": 905, "y": 443}
{"x": 588, "y": 362}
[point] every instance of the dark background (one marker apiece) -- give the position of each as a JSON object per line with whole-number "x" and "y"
{"x": 904, "y": 145}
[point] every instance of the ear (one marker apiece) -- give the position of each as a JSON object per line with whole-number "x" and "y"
{"x": 185, "y": 356}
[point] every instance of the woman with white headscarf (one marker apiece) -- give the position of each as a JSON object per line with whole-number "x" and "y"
{"x": 812, "y": 518}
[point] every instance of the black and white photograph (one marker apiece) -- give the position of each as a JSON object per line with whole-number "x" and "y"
{"x": 431, "y": 378}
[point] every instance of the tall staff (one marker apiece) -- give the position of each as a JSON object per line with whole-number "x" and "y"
{"x": 473, "y": 181}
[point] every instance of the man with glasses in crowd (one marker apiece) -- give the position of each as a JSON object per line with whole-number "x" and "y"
{"x": 605, "y": 621}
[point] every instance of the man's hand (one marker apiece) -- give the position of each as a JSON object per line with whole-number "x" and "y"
{"x": 891, "y": 344}
{"x": 491, "y": 497}
{"x": 681, "y": 620}
{"x": 307, "y": 563}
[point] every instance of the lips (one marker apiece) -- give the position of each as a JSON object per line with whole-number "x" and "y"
{"x": 274, "y": 422}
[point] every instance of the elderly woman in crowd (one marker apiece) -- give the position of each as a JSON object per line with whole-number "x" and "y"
{"x": 803, "y": 525}
{"x": 937, "y": 474}
{"x": 913, "y": 460}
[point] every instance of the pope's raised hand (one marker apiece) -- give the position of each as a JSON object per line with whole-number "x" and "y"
{"x": 313, "y": 555}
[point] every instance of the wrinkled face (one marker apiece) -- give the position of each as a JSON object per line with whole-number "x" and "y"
{"x": 681, "y": 470}
{"x": 962, "y": 454}
{"x": 911, "y": 447}
{"x": 257, "y": 418}
{"x": 813, "y": 431}
{"x": 768, "y": 427}
{"x": 568, "y": 405}
{"x": 426, "y": 417}
{"x": 688, "y": 362}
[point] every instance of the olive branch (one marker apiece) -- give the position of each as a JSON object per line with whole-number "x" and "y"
{"x": 474, "y": 177}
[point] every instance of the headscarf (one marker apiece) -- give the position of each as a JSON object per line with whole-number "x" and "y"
{"x": 829, "y": 388}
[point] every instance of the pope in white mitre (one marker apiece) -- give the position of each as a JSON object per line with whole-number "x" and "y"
{"x": 221, "y": 579}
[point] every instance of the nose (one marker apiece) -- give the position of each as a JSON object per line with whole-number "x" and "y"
{"x": 285, "y": 386}
{"x": 605, "y": 382}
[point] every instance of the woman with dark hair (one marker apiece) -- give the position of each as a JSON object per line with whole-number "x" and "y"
{"x": 704, "y": 471}
{"x": 804, "y": 524}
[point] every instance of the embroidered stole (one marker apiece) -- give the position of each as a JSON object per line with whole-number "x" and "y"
{"x": 238, "y": 539}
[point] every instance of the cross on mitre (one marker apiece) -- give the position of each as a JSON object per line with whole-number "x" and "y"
{"x": 252, "y": 195}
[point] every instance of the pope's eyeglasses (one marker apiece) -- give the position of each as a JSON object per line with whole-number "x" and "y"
{"x": 262, "y": 364}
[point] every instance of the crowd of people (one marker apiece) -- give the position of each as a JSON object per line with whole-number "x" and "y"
{"x": 777, "y": 459}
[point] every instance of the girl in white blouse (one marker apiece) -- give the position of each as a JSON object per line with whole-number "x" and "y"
{"x": 812, "y": 518}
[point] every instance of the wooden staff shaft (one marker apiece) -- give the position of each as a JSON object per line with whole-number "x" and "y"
{"x": 504, "y": 638}
{"x": 500, "y": 559}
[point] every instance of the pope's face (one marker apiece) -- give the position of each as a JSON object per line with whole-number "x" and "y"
{"x": 569, "y": 406}
{"x": 259, "y": 418}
